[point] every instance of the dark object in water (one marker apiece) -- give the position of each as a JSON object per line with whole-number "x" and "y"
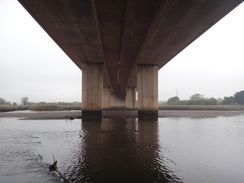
{"x": 54, "y": 166}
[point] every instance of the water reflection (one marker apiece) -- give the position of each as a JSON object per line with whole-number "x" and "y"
{"x": 120, "y": 150}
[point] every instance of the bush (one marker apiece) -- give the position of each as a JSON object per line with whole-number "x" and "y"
{"x": 173, "y": 101}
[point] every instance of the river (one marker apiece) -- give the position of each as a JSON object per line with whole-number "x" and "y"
{"x": 186, "y": 150}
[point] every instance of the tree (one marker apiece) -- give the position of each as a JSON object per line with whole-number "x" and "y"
{"x": 7, "y": 103}
{"x": 2, "y": 101}
{"x": 229, "y": 101}
{"x": 220, "y": 101}
{"x": 173, "y": 101}
{"x": 239, "y": 97}
{"x": 25, "y": 100}
{"x": 211, "y": 101}
{"x": 197, "y": 99}
{"x": 14, "y": 104}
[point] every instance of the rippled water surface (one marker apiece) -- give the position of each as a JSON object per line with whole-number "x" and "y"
{"x": 123, "y": 150}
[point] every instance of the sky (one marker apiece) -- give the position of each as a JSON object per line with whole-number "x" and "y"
{"x": 33, "y": 66}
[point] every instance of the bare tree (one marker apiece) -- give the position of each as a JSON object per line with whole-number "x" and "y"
{"x": 25, "y": 100}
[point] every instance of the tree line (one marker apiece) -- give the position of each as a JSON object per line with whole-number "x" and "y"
{"x": 198, "y": 99}
{"x": 25, "y": 102}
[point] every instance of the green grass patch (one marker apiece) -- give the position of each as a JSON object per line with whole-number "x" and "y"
{"x": 8, "y": 108}
{"x": 201, "y": 107}
{"x": 53, "y": 107}
{"x": 44, "y": 108}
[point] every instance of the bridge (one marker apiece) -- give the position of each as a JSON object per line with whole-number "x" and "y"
{"x": 121, "y": 44}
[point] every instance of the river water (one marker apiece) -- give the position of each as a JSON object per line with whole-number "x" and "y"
{"x": 190, "y": 150}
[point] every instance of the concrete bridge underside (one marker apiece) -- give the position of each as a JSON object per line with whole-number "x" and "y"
{"x": 121, "y": 44}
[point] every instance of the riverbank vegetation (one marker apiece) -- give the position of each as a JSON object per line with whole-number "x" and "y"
{"x": 199, "y": 102}
{"x": 201, "y": 107}
{"x": 195, "y": 102}
{"x": 6, "y": 106}
{"x": 198, "y": 99}
{"x": 38, "y": 107}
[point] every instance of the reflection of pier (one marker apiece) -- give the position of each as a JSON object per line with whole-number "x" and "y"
{"x": 120, "y": 150}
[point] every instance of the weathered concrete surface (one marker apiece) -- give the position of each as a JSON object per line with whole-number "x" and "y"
{"x": 147, "y": 86}
{"x": 122, "y": 34}
{"x": 130, "y": 100}
{"x": 110, "y": 99}
{"x": 92, "y": 87}
{"x": 106, "y": 97}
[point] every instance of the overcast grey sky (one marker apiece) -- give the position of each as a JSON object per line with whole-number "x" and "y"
{"x": 32, "y": 65}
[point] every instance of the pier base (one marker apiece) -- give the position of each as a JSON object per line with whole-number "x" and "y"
{"x": 91, "y": 115}
{"x": 148, "y": 115}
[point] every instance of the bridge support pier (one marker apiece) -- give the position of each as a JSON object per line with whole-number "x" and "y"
{"x": 110, "y": 99}
{"x": 106, "y": 97}
{"x": 147, "y": 85}
{"x": 92, "y": 91}
{"x": 130, "y": 100}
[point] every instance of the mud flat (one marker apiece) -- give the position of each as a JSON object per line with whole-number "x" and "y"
{"x": 198, "y": 113}
{"x": 29, "y": 115}
{"x": 76, "y": 114}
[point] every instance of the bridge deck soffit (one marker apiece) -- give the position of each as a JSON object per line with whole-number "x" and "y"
{"x": 124, "y": 33}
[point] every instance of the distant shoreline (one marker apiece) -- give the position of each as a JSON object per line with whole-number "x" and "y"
{"x": 201, "y": 107}
{"x": 8, "y": 108}
{"x": 76, "y": 114}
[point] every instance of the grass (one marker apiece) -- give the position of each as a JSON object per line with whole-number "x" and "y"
{"x": 201, "y": 107}
{"x": 53, "y": 107}
{"x": 48, "y": 107}
{"x": 7, "y": 108}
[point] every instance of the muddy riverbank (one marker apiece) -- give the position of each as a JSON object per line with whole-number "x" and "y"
{"x": 76, "y": 114}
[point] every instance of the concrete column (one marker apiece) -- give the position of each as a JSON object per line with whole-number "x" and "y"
{"x": 106, "y": 97}
{"x": 110, "y": 99}
{"x": 115, "y": 101}
{"x": 147, "y": 86}
{"x": 130, "y": 100}
{"x": 92, "y": 90}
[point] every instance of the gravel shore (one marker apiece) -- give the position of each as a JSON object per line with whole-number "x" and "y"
{"x": 28, "y": 115}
